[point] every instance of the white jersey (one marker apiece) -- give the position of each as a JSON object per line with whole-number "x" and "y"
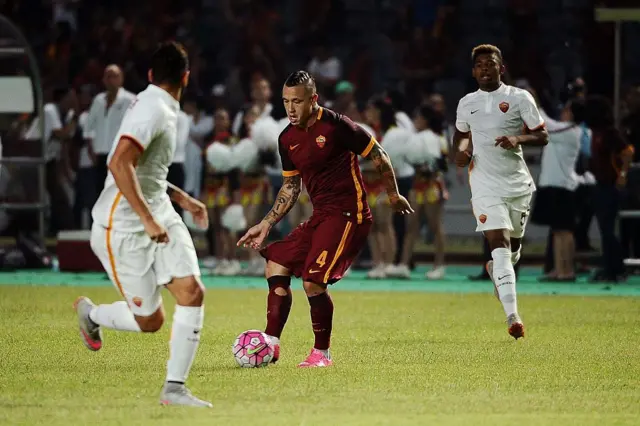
{"x": 494, "y": 171}
{"x": 557, "y": 166}
{"x": 151, "y": 122}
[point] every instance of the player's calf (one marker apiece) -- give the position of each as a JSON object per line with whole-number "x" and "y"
{"x": 279, "y": 301}
{"x": 321, "y": 307}
{"x": 188, "y": 320}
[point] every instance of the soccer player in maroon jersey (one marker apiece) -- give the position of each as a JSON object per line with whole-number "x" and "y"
{"x": 319, "y": 147}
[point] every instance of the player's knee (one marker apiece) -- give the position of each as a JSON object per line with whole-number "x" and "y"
{"x": 274, "y": 269}
{"x": 498, "y": 238}
{"x": 188, "y": 291}
{"x": 152, "y": 323}
{"x": 313, "y": 289}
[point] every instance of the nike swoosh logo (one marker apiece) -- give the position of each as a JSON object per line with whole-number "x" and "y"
{"x": 504, "y": 276}
{"x": 292, "y": 147}
{"x": 313, "y": 271}
{"x": 473, "y": 112}
{"x": 254, "y": 350}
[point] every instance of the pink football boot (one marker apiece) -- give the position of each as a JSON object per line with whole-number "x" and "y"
{"x": 316, "y": 359}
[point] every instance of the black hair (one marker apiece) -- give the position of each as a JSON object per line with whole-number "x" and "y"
{"x": 434, "y": 119}
{"x": 169, "y": 63}
{"x": 387, "y": 113}
{"x": 485, "y": 49}
{"x": 578, "y": 110}
{"x": 598, "y": 112}
{"x": 59, "y": 93}
{"x": 298, "y": 78}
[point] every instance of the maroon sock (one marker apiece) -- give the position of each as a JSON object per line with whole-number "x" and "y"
{"x": 278, "y": 307}
{"x": 321, "y": 319}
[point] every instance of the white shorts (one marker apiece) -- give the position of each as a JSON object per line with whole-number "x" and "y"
{"x": 139, "y": 267}
{"x": 502, "y": 213}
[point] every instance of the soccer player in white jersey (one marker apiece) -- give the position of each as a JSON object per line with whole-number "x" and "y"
{"x": 491, "y": 120}
{"x": 138, "y": 236}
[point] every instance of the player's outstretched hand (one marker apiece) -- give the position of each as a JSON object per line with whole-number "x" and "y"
{"x": 255, "y": 237}
{"x": 463, "y": 158}
{"x": 400, "y": 205}
{"x": 507, "y": 142}
{"x": 156, "y": 231}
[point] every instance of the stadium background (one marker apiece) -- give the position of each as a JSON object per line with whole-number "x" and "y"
{"x": 408, "y": 49}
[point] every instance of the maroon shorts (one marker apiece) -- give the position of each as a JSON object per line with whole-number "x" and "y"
{"x": 321, "y": 249}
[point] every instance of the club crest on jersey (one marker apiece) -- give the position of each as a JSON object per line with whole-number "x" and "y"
{"x": 321, "y": 140}
{"x": 137, "y": 301}
{"x": 482, "y": 218}
{"x": 504, "y": 107}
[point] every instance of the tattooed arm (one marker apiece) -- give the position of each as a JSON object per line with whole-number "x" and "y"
{"x": 285, "y": 200}
{"x": 382, "y": 164}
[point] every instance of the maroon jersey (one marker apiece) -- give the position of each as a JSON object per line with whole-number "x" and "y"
{"x": 325, "y": 155}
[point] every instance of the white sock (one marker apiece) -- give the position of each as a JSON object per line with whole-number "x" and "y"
{"x": 116, "y": 315}
{"x": 505, "y": 279}
{"x": 274, "y": 340}
{"x": 515, "y": 256}
{"x": 325, "y": 352}
{"x": 185, "y": 338}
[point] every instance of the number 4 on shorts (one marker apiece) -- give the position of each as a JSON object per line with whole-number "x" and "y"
{"x": 322, "y": 259}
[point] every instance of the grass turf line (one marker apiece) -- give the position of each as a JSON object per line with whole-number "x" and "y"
{"x": 401, "y": 359}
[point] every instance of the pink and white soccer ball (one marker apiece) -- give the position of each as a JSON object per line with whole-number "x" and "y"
{"x": 253, "y": 348}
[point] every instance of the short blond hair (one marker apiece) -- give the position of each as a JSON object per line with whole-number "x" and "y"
{"x": 485, "y": 49}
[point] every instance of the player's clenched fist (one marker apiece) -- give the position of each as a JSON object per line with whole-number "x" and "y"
{"x": 463, "y": 158}
{"x": 255, "y": 237}
{"x": 156, "y": 231}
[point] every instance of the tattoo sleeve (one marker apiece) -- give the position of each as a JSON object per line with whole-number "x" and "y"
{"x": 382, "y": 163}
{"x": 285, "y": 200}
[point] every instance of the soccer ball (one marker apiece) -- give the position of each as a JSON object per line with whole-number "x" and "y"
{"x": 253, "y": 348}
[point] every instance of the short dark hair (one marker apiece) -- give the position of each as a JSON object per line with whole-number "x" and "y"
{"x": 169, "y": 63}
{"x": 485, "y": 49}
{"x": 598, "y": 112}
{"x": 434, "y": 119}
{"x": 298, "y": 78}
{"x": 578, "y": 109}
{"x": 387, "y": 112}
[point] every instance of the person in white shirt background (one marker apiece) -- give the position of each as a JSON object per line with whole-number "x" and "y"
{"x": 326, "y": 68}
{"x": 260, "y": 99}
{"x": 380, "y": 115}
{"x": 201, "y": 127}
{"x": 84, "y": 186}
{"x": 428, "y": 154}
{"x": 58, "y": 167}
{"x": 105, "y": 116}
{"x": 555, "y": 204}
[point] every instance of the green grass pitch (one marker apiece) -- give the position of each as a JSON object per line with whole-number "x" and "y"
{"x": 401, "y": 358}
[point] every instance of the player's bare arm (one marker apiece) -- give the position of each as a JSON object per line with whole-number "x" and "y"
{"x": 123, "y": 168}
{"x": 382, "y": 163}
{"x": 538, "y": 137}
{"x": 197, "y": 208}
{"x": 464, "y": 148}
{"x": 285, "y": 200}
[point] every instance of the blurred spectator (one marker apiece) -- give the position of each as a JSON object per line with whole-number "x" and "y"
{"x": 344, "y": 96}
{"x": 260, "y": 99}
{"x": 554, "y": 204}
{"x": 85, "y": 181}
{"x": 610, "y": 159}
{"x": 57, "y": 137}
{"x": 326, "y": 69}
{"x": 105, "y": 116}
{"x": 201, "y": 124}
